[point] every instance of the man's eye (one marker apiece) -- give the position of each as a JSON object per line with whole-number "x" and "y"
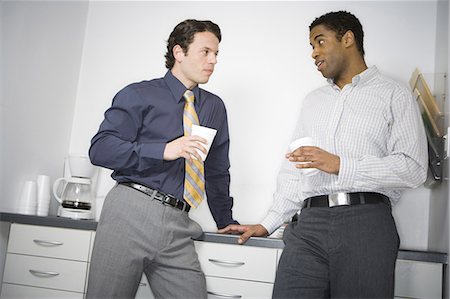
{"x": 205, "y": 52}
{"x": 321, "y": 42}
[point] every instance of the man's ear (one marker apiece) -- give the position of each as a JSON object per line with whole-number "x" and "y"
{"x": 178, "y": 53}
{"x": 348, "y": 39}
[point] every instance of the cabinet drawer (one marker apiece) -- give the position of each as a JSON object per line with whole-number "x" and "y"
{"x": 12, "y": 291}
{"x": 49, "y": 241}
{"x": 237, "y": 261}
{"x": 144, "y": 291}
{"x": 418, "y": 279}
{"x": 235, "y": 288}
{"x": 45, "y": 272}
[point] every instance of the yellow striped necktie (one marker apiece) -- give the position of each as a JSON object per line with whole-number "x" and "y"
{"x": 194, "y": 181}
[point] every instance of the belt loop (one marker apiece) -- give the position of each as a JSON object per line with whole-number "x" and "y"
{"x": 362, "y": 199}
{"x": 152, "y": 197}
{"x": 305, "y": 203}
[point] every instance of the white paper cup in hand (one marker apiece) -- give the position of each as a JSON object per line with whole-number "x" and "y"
{"x": 304, "y": 141}
{"x": 206, "y": 133}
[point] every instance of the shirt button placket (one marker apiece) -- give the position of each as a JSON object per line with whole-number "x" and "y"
{"x": 333, "y": 126}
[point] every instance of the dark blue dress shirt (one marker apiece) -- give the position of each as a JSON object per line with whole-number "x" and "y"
{"x": 143, "y": 118}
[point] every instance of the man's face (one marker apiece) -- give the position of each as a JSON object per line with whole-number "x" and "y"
{"x": 197, "y": 65}
{"x": 328, "y": 52}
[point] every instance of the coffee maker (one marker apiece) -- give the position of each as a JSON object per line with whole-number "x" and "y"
{"x": 74, "y": 191}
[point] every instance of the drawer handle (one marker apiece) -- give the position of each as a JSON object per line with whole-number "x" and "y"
{"x": 43, "y": 273}
{"x": 228, "y": 263}
{"x": 47, "y": 243}
{"x": 224, "y": 295}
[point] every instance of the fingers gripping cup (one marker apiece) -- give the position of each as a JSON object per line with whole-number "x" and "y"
{"x": 304, "y": 141}
{"x": 206, "y": 133}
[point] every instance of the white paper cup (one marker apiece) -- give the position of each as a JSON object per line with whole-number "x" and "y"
{"x": 304, "y": 141}
{"x": 27, "y": 201}
{"x": 43, "y": 195}
{"x": 43, "y": 188}
{"x": 43, "y": 210}
{"x": 206, "y": 133}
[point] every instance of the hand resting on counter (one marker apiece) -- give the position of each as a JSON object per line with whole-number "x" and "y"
{"x": 247, "y": 231}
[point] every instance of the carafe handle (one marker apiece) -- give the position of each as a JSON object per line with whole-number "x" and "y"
{"x": 56, "y": 187}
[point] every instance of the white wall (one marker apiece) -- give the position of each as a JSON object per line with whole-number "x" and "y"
{"x": 425, "y": 225}
{"x": 40, "y": 51}
{"x": 446, "y": 164}
{"x": 1, "y": 97}
{"x": 41, "y": 45}
{"x": 264, "y": 71}
{"x": 439, "y": 231}
{"x": 3, "y": 226}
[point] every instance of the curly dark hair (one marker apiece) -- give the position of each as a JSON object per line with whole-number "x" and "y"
{"x": 183, "y": 35}
{"x": 341, "y": 22}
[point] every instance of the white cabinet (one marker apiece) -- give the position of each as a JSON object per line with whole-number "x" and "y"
{"x": 45, "y": 272}
{"x": 63, "y": 243}
{"x": 144, "y": 291}
{"x": 236, "y": 288}
{"x": 418, "y": 280}
{"x": 236, "y": 271}
{"x": 13, "y": 291}
{"x": 46, "y": 262}
{"x": 50, "y": 262}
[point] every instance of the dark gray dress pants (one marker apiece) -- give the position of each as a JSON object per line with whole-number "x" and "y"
{"x": 137, "y": 235}
{"x": 339, "y": 252}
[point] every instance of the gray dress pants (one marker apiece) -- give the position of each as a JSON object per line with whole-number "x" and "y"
{"x": 137, "y": 235}
{"x": 339, "y": 252}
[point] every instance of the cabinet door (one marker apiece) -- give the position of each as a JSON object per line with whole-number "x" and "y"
{"x": 144, "y": 291}
{"x": 49, "y": 241}
{"x": 45, "y": 272}
{"x": 235, "y": 289}
{"x": 418, "y": 279}
{"x": 91, "y": 246}
{"x": 237, "y": 261}
{"x": 12, "y": 291}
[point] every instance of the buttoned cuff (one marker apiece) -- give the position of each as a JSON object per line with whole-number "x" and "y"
{"x": 347, "y": 172}
{"x": 271, "y": 222}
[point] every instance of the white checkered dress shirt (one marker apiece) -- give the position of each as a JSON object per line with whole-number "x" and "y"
{"x": 374, "y": 126}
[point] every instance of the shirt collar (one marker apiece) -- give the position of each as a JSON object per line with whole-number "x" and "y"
{"x": 362, "y": 77}
{"x": 177, "y": 88}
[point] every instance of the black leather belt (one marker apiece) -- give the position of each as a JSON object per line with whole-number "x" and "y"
{"x": 345, "y": 199}
{"x": 166, "y": 199}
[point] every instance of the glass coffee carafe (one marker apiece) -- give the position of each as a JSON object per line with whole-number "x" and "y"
{"x": 76, "y": 198}
{"x": 74, "y": 191}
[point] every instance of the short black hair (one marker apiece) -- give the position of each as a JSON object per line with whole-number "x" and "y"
{"x": 183, "y": 35}
{"x": 341, "y": 22}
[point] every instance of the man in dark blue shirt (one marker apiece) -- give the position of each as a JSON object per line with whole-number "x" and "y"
{"x": 144, "y": 226}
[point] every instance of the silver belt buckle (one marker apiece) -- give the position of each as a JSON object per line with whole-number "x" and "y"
{"x": 338, "y": 199}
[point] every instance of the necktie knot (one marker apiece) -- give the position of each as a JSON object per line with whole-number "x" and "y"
{"x": 189, "y": 96}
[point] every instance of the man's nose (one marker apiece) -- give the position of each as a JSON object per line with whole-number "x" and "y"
{"x": 314, "y": 54}
{"x": 212, "y": 58}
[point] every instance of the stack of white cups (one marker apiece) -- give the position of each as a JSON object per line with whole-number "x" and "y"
{"x": 27, "y": 201}
{"x": 43, "y": 195}
{"x": 35, "y": 197}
